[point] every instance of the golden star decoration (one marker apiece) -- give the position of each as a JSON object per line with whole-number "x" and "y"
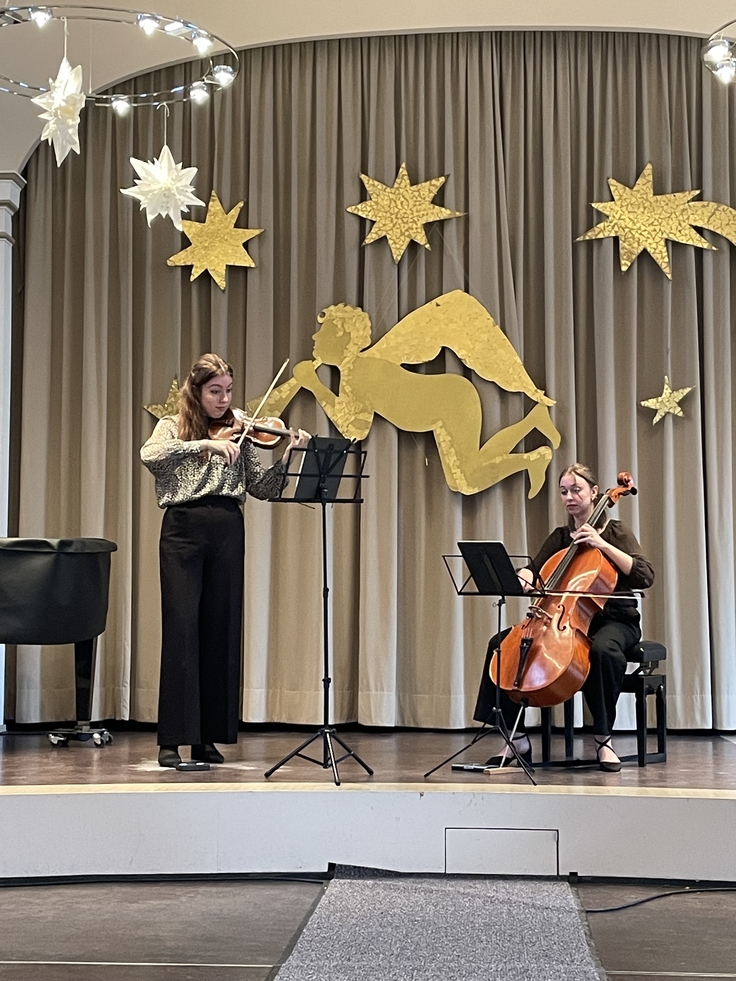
{"x": 216, "y": 243}
{"x": 668, "y": 401}
{"x": 171, "y": 406}
{"x": 400, "y": 212}
{"x": 643, "y": 220}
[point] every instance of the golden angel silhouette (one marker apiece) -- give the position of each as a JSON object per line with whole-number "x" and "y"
{"x": 373, "y": 381}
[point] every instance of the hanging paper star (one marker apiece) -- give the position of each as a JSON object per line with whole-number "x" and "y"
{"x": 668, "y": 401}
{"x": 170, "y": 406}
{"x": 63, "y": 103}
{"x": 400, "y": 212}
{"x": 216, "y": 243}
{"x": 643, "y": 220}
{"x": 164, "y": 187}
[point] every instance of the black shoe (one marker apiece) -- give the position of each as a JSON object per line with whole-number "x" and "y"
{"x": 509, "y": 759}
{"x": 169, "y": 756}
{"x": 608, "y": 766}
{"x": 206, "y": 753}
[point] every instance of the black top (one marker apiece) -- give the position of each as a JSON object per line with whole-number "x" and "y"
{"x": 617, "y": 534}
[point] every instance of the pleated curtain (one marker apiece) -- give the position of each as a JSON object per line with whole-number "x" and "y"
{"x": 528, "y": 127}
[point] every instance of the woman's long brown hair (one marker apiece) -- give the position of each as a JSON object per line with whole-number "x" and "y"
{"x": 193, "y": 420}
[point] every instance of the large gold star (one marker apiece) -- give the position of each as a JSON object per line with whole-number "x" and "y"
{"x": 216, "y": 242}
{"x": 170, "y": 406}
{"x": 400, "y": 212}
{"x": 642, "y": 220}
{"x": 668, "y": 401}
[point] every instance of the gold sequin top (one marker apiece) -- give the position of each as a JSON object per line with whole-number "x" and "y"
{"x": 184, "y": 473}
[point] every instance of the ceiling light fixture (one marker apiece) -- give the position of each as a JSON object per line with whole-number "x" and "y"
{"x": 719, "y": 54}
{"x": 216, "y": 73}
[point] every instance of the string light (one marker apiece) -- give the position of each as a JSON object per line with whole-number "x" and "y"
{"x": 40, "y": 15}
{"x": 148, "y": 23}
{"x": 198, "y": 92}
{"x": 224, "y": 75}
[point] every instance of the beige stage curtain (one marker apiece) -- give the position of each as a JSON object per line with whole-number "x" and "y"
{"x": 528, "y": 126}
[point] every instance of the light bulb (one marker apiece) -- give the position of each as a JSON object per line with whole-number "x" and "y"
{"x": 715, "y": 51}
{"x": 120, "y": 104}
{"x": 198, "y": 92}
{"x": 202, "y": 42}
{"x": 224, "y": 75}
{"x": 147, "y": 23}
{"x": 40, "y": 15}
{"x": 726, "y": 71}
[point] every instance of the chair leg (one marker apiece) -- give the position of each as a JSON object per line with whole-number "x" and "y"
{"x": 641, "y": 723}
{"x": 661, "y": 719}
{"x": 546, "y": 726}
{"x": 569, "y": 727}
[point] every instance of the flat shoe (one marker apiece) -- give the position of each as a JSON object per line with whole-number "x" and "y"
{"x": 169, "y": 756}
{"x": 206, "y": 753}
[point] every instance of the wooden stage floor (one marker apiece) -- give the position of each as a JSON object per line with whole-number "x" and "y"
{"x": 698, "y": 762}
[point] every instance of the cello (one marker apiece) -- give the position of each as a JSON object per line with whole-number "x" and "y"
{"x": 545, "y": 659}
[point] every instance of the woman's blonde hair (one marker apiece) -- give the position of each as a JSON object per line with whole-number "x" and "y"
{"x": 193, "y": 420}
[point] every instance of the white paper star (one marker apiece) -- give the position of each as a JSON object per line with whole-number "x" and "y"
{"x": 164, "y": 188}
{"x": 63, "y": 103}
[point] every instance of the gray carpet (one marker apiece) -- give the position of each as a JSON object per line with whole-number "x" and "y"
{"x": 383, "y": 927}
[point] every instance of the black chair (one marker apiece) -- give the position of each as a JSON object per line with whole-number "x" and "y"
{"x": 55, "y": 591}
{"x": 645, "y": 681}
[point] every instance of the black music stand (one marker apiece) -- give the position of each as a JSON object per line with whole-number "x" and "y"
{"x": 492, "y": 573}
{"x": 318, "y": 482}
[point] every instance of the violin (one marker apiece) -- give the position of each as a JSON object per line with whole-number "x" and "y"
{"x": 546, "y": 658}
{"x": 264, "y": 431}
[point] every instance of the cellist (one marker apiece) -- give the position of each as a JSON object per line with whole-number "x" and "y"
{"x": 612, "y": 631}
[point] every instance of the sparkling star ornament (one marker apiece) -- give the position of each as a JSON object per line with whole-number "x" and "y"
{"x": 63, "y": 103}
{"x": 668, "y": 401}
{"x": 400, "y": 212}
{"x": 171, "y": 406}
{"x": 643, "y": 220}
{"x": 164, "y": 187}
{"x": 216, "y": 243}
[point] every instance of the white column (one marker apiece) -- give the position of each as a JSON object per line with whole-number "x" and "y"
{"x": 11, "y": 186}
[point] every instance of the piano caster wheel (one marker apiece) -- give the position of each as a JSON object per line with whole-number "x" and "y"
{"x": 107, "y": 738}
{"x": 101, "y": 738}
{"x": 58, "y": 740}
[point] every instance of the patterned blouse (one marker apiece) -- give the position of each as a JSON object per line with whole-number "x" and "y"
{"x": 183, "y": 472}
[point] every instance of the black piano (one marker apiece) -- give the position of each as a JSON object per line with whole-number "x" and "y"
{"x": 55, "y": 591}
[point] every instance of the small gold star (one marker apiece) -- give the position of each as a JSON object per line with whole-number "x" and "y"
{"x": 668, "y": 401}
{"x": 641, "y": 219}
{"x": 216, "y": 243}
{"x": 400, "y": 212}
{"x": 170, "y": 406}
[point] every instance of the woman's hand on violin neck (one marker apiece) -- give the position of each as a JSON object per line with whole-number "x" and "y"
{"x": 298, "y": 440}
{"x": 223, "y": 447}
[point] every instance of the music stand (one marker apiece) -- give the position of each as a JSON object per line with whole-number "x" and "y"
{"x": 318, "y": 482}
{"x": 493, "y": 574}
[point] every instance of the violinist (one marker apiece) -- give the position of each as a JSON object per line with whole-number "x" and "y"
{"x": 612, "y": 631}
{"x": 201, "y": 482}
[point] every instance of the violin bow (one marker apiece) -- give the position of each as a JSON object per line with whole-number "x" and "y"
{"x": 263, "y": 401}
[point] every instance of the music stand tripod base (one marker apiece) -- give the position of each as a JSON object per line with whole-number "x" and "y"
{"x": 318, "y": 483}
{"x": 327, "y": 734}
{"x": 493, "y": 574}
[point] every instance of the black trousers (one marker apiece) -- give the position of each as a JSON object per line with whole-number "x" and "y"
{"x": 201, "y": 556}
{"x": 610, "y": 639}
